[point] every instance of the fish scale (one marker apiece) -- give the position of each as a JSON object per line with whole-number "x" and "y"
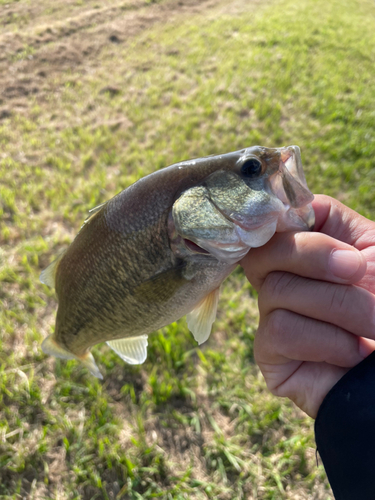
{"x": 161, "y": 249}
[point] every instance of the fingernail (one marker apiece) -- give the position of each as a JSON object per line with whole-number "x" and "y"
{"x": 366, "y": 347}
{"x": 344, "y": 263}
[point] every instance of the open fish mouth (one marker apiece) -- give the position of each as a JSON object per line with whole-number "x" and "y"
{"x": 290, "y": 186}
{"x": 291, "y": 157}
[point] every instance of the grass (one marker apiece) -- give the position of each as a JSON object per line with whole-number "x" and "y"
{"x": 191, "y": 422}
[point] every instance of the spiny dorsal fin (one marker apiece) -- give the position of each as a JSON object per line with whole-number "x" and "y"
{"x": 47, "y": 276}
{"x": 92, "y": 212}
{"x": 200, "y": 319}
{"x": 133, "y": 350}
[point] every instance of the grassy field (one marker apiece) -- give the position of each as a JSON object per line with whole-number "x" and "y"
{"x": 94, "y": 95}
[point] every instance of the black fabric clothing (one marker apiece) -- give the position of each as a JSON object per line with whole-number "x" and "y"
{"x": 345, "y": 433}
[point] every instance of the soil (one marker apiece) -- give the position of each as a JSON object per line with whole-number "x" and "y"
{"x": 38, "y": 44}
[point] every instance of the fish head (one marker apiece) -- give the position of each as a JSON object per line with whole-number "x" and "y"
{"x": 251, "y": 194}
{"x": 276, "y": 189}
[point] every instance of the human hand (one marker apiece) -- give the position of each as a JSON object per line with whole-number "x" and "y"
{"x": 315, "y": 324}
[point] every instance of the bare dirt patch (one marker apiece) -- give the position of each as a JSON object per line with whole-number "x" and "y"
{"x": 33, "y": 59}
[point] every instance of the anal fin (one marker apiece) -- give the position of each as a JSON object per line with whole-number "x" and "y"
{"x": 133, "y": 350}
{"x": 200, "y": 319}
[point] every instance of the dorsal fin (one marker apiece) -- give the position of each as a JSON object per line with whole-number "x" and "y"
{"x": 133, "y": 350}
{"x": 92, "y": 212}
{"x": 47, "y": 276}
{"x": 200, "y": 319}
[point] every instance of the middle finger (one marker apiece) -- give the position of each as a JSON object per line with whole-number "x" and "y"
{"x": 346, "y": 306}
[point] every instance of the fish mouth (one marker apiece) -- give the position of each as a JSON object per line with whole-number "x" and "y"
{"x": 291, "y": 157}
{"x": 290, "y": 187}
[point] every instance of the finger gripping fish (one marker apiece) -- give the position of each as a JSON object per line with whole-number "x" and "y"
{"x": 161, "y": 248}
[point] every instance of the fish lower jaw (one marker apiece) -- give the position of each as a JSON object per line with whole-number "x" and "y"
{"x": 257, "y": 237}
{"x": 227, "y": 253}
{"x": 234, "y": 251}
{"x": 230, "y": 247}
{"x": 231, "y": 252}
{"x": 208, "y": 249}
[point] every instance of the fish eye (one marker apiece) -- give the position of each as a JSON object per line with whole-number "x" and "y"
{"x": 251, "y": 168}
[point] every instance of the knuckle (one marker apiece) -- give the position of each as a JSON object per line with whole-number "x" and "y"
{"x": 342, "y": 297}
{"x": 273, "y": 283}
{"x": 276, "y": 326}
{"x": 302, "y": 241}
{"x": 276, "y": 285}
{"x": 338, "y": 344}
{"x": 266, "y": 338}
{"x": 254, "y": 267}
{"x": 339, "y": 298}
{"x": 278, "y": 390}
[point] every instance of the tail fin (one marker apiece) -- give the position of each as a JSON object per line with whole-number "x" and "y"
{"x": 50, "y": 346}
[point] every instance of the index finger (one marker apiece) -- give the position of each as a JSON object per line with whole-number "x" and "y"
{"x": 341, "y": 222}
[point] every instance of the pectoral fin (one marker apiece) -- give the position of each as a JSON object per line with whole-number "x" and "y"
{"x": 200, "y": 319}
{"x": 47, "y": 276}
{"x": 161, "y": 287}
{"x": 132, "y": 350}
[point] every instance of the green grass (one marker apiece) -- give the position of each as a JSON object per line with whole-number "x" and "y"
{"x": 191, "y": 422}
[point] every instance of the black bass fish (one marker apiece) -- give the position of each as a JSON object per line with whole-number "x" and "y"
{"x": 161, "y": 248}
